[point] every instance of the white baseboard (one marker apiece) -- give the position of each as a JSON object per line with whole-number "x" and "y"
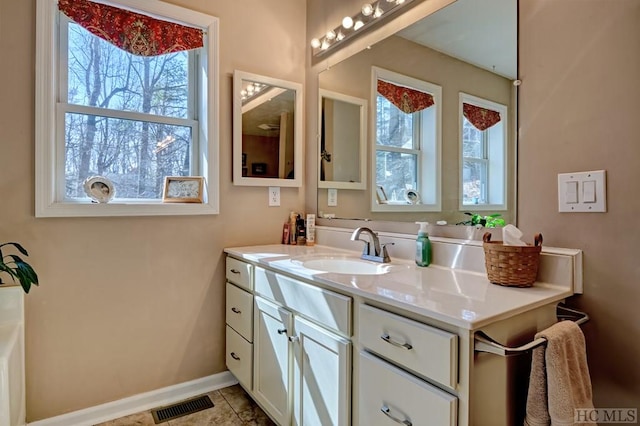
{"x": 141, "y": 402}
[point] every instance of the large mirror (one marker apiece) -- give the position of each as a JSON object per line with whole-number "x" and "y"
{"x": 469, "y": 49}
{"x": 343, "y": 138}
{"x": 267, "y": 131}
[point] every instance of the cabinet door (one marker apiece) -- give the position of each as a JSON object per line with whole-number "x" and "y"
{"x": 322, "y": 376}
{"x": 272, "y": 359}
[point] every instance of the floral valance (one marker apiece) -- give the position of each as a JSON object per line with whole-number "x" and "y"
{"x": 481, "y": 118}
{"x": 406, "y": 99}
{"x": 133, "y": 32}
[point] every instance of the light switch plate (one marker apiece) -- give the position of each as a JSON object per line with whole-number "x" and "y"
{"x": 591, "y": 188}
{"x": 332, "y": 197}
{"x": 274, "y": 196}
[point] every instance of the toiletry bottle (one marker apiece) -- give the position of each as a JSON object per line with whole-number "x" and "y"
{"x": 423, "y": 245}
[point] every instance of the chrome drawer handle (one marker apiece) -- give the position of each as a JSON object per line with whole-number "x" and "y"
{"x": 388, "y": 339}
{"x": 235, "y": 271}
{"x": 293, "y": 339}
{"x": 282, "y": 331}
{"x": 387, "y": 412}
{"x": 236, "y": 310}
{"x": 234, "y": 356}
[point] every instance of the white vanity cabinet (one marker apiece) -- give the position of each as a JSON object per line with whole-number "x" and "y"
{"x": 301, "y": 351}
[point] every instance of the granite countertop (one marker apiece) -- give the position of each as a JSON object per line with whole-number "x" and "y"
{"x": 461, "y": 298}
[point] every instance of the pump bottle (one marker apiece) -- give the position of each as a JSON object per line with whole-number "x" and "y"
{"x": 423, "y": 245}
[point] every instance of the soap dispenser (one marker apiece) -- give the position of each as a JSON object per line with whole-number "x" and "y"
{"x": 423, "y": 245}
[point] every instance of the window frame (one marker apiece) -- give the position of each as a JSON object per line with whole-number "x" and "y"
{"x": 495, "y": 147}
{"x": 429, "y": 158}
{"x": 50, "y": 200}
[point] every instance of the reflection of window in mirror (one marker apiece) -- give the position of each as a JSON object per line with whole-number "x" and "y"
{"x": 407, "y": 144}
{"x": 483, "y": 135}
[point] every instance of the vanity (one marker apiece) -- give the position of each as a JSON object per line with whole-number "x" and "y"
{"x": 315, "y": 342}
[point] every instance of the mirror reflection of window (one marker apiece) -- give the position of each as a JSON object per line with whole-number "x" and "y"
{"x": 407, "y": 145}
{"x": 483, "y": 137}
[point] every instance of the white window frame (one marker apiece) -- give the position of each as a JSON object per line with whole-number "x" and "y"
{"x": 50, "y": 200}
{"x": 430, "y": 149}
{"x": 496, "y": 147}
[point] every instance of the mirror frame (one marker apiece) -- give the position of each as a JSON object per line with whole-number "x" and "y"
{"x": 362, "y": 143}
{"x": 238, "y": 179}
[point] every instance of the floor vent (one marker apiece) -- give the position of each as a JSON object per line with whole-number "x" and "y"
{"x": 180, "y": 409}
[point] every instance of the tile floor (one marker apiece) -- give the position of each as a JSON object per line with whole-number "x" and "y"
{"x": 232, "y": 407}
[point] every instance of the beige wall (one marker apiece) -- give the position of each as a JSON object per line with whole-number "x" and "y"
{"x": 128, "y": 305}
{"x": 579, "y": 111}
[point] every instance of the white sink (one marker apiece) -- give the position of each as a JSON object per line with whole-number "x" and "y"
{"x": 345, "y": 264}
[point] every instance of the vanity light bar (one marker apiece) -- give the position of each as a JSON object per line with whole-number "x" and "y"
{"x": 368, "y": 14}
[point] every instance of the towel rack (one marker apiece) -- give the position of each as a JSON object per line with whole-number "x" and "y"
{"x": 484, "y": 343}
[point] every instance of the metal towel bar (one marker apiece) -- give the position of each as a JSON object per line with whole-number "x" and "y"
{"x": 484, "y": 343}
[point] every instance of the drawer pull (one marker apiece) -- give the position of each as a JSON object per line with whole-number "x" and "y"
{"x": 235, "y": 271}
{"x": 388, "y": 339}
{"x": 234, "y": 356}
{"x": 282, "y": 331}
{"x": 236, "y": 310}
{"x": 387, "y": 412}
{"x": 293, "y": 339}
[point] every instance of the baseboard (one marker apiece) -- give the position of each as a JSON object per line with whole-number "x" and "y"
{"x": 141, "y": 402}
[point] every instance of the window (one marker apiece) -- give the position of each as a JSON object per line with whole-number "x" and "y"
{"x": 133, "y": 112}
{"x": 483, "y": 135}
{"x": 407, "y": 144}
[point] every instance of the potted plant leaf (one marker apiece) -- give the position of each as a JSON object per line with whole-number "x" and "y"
{"x": 489, "y": 221}
{"x": 14, "y": 266}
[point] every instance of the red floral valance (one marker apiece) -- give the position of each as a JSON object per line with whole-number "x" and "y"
{"x": 406, "y": 99}
{"x": 133, "y": 32}
{"x": 481, "y": 118}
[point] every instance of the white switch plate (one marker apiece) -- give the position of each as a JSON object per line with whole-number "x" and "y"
{"x": 274, "y": 196}
{"x": 332, "y": 197}
{"x": 591, "y": 192}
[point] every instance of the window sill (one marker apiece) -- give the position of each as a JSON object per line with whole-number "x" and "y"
{"x": 86, "y": 209}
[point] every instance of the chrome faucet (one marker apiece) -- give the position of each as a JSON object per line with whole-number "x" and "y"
{"x": 379, "y": 252}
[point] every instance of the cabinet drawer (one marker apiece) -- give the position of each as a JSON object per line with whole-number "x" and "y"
{"x": 427, "y": 351}
{"x": 330, "y": 309}
{"x": 239, "y": 358}
{"x": 387, "y": 393}
{"x": 240, "y": 311}
{"x": 240, "y": 273}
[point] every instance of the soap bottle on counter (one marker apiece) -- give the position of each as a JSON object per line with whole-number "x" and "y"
{"x": 423, "y": 245}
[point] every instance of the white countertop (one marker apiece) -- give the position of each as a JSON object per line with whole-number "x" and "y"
{"x": 458, "y": 297}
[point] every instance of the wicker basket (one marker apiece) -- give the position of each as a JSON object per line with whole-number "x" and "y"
{"x": 511, "y": 266}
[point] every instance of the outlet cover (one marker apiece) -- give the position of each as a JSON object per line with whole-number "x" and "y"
{"x": 274, "y": 196}
{"x": 332, "y": 197}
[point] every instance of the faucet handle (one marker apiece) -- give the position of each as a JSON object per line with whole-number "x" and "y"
{"x": 385, "y": 254}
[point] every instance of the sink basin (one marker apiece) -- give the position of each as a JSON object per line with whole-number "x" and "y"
{"x": 345, "y": 264}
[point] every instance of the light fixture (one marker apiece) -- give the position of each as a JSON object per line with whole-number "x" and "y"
{"x": 368, "y": 14}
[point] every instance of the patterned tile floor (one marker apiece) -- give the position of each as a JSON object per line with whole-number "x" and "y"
{"x": 232, "y": 407}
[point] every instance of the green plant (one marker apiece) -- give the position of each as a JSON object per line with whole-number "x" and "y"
{"x": 490, "y": 221}
{"x": 15, "y": 267}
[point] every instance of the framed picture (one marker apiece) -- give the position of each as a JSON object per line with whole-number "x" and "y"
{"x": 183, "y": 189}
{"x": 99, "y": 189}
{"x": 381, "y": 196}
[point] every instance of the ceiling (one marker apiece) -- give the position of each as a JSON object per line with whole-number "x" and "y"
{"x": 481, "y": 32}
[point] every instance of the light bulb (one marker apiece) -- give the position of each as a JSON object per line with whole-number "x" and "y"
{"x": 331, "y": 35}
{"x": 378, "y": 12}
{"x": 340, "y": 36}
{"x": 347, "y": 22}
{"x": 315, "y": 43}
{"x": 359, "y": 24}
{"x": 325, "y": 45}
{"x": 399, "y": 1}
{"x": 367, "y": 9}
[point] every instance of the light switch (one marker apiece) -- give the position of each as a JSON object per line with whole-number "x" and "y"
{"x": 571, "y": 192}
{"x": 332, "y": 197}
{"x": 582, "y": 192}
{"x": 589, "y": 191}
